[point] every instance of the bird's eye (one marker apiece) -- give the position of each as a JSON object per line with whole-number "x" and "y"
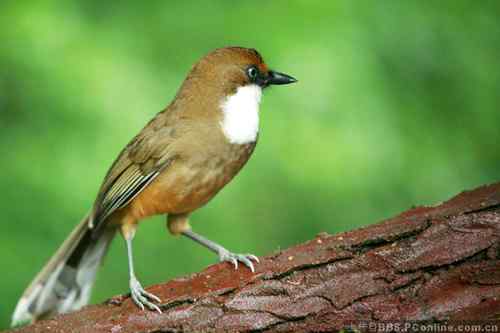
{"x": 252, "y": 73}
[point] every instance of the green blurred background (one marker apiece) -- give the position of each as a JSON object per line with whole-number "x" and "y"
{"x": 397, "y": 105}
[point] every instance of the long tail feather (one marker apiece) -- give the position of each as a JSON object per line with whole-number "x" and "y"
{"x": 65, "y": 283}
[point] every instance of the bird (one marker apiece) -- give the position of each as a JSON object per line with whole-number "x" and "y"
{"x": 179, "y": 161}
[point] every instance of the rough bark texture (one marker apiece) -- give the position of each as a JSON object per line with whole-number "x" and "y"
{"x": 429, "y": 263}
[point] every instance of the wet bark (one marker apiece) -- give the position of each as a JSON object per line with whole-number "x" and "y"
{"x": 429, "y": 263}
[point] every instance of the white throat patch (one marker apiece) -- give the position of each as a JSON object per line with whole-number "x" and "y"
{"x": 241, "y": 114}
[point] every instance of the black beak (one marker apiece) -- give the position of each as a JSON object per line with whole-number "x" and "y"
{"x": 279, "y": 78}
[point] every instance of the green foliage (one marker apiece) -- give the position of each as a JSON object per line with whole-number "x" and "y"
{"x": 397, "y": 105}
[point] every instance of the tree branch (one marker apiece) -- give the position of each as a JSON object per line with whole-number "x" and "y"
{"x": 429, "y": 263}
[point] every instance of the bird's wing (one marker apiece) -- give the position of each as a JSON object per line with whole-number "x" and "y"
{"x": 142, "y": 160}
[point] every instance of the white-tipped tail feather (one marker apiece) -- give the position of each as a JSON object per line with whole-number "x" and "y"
{"x": 65, "y": 283}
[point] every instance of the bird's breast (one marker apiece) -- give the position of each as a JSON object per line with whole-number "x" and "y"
{"x": 191, "y": 181}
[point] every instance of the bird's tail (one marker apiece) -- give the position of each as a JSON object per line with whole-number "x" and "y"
{"x": 65, "y": 283}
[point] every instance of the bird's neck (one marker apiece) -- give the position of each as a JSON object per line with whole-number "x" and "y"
{"x": 240, "y": 115}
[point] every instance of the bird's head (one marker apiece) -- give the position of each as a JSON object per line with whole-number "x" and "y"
{"x": 234, "y": 67}
{"x": 226, "y": 85}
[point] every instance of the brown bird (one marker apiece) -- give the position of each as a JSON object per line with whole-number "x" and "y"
{"x": 176, "y": 164}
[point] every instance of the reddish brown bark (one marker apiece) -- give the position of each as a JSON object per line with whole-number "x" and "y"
{"x": 429, "y": 263}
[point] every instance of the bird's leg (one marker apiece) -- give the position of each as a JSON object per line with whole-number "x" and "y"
{"x": 222, "y": 252}
{"x": 140, "y": 296}
{"x": 178, "y": 224}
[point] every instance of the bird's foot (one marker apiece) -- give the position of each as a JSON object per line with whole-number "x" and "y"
{"x": 233, "y": 258}
{"x": 141, "y": 297}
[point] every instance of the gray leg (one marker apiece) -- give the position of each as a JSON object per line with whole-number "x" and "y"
{"x": 224, "y": 254}
{"x": 139, "y": 295}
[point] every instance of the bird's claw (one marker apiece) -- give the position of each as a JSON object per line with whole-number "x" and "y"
{"x": 141, "y": 297}
{"x": 233, "y": 258}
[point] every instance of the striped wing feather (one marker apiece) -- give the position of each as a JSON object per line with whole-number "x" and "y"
{"x": 136, "y": 167}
